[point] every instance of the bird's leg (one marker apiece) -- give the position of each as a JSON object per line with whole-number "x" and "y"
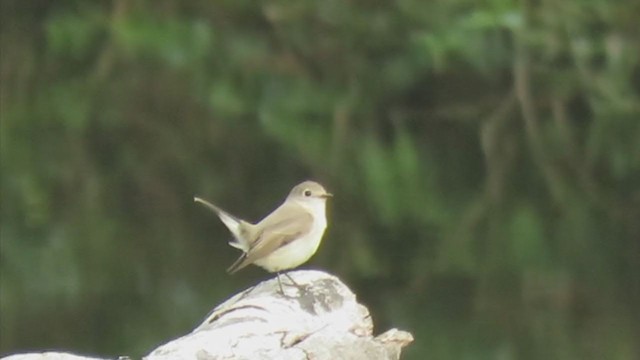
{"x": 300, "y": 287}
{"x": 279, "y": 282}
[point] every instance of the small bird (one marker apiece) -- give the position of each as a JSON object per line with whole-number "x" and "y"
{"x": 284, "y": 239}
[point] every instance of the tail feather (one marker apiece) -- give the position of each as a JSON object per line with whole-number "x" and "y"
{"x": 238, "y": 245}
{"x": 234, "y": 224}
{"x": 238, "y": 264}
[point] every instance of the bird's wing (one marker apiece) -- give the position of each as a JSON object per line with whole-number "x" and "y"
{"x": 288, "y": 223}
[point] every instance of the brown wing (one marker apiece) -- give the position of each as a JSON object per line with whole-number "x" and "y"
{"x": 286, "y": 224}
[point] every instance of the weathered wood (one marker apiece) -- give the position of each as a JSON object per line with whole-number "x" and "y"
{"x": 317, "y": 319}
{"x": 50, "y": 355}
{"x": 320, "y": 319}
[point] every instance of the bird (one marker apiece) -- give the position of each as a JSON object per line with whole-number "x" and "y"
{"x": 285, "y": 238}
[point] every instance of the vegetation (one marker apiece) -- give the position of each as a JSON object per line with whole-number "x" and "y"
{"x": 485, "y": 157}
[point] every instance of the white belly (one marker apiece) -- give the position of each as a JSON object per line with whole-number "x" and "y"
{"x": 295, "y": 253}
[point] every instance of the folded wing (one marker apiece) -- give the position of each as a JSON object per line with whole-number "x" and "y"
{"x": 288, "y": 223}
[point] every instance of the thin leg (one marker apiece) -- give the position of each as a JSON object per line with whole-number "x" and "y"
{"x": 300, "y": 287}
{"x": 279, "y": 282}
{"x": 291, "y": 279}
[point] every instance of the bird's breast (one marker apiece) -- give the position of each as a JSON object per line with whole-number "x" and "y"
{"x": 296, "y": 252}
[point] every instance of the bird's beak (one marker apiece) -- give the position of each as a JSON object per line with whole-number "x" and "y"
{"x": 326, "y": 195}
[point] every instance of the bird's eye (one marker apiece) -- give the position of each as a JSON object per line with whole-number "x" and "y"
{"x": 307, "y": 193}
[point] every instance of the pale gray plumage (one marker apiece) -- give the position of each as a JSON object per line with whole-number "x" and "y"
{"x": 284, "y": 239}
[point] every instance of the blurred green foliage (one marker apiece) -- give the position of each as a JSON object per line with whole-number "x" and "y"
{"x": 485, "y": 157}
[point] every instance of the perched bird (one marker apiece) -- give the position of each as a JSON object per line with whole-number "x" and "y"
{"x": 284, "y": 239}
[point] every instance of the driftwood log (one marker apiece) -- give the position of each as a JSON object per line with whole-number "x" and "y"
{"x": 319, "y": 318}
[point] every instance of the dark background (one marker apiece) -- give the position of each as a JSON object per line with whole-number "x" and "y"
{"x": 484, "y": 156}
